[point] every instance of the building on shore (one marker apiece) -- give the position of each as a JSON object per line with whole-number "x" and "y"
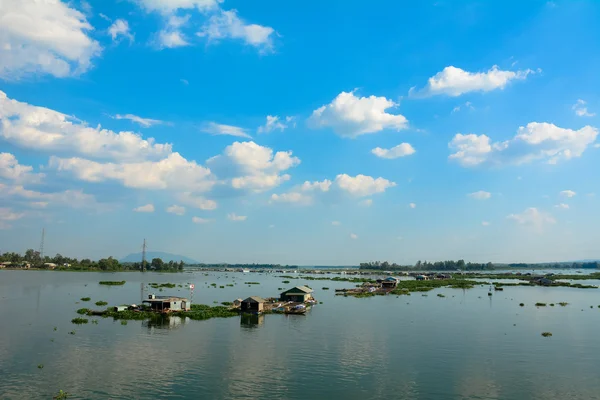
{"x": 167, "y": 303}
{"x": 253, "y": 304}
{"x": 390, "y": 282}
{"x": 298, "y": 294}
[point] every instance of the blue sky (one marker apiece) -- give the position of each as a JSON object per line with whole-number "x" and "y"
{"x": 271, "y": 131}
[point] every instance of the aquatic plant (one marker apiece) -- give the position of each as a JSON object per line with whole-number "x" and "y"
{"x": 564, "y": 304}
{"x": 285, "y": 281}
{"x": 82, "y": 311}
{"x": 40, "y": 366}
{"x": 85, "y": 298}
{"x": 95, "y": 321}
{"x": 226, "y": 303}
{"x": 522, "y": 304}
{"x": 101, "y": 303}
{"x": 162, "y": 285}
{"x": 79, "y": 321}
{"x": 440, "y": 295}
{"x": 221, "y": 287}
{"x": 55, "y": 328}
{"x": 72, "y": 333}
{"x": 229, "y": 284}
{"x": 123, "y": 322}
{"x": 551, "y": 304}
{"x": 540, "y": 304}
{"x": 61, "y": 395}
{"x": 112, "y": 283}
{"x": 546, "y": 334}
{"x": 252, "y": 283}
{"x": 325, "y": 288}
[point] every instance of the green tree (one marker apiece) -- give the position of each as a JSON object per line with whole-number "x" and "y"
{"x": 157, "y": 263}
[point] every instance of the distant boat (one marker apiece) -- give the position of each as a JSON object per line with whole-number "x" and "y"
{"x": 246, "y": 271}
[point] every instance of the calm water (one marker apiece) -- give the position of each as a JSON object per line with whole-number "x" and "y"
{"x": 463, "y": 346}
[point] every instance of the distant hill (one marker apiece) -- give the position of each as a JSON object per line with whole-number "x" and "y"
{"x": 137, "y": 257}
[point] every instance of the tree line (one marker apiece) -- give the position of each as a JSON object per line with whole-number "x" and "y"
{"x": 449, "y": 265}
{"x": 249, "y": 266}
{"x": 34, "y": 258}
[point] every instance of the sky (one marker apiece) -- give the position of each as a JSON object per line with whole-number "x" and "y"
{"x": 287, "y": 132}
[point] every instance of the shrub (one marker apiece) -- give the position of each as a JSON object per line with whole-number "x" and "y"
{"x": 85, "y": 299}
{"x": 79, "y": 321}
{"x": 81, "y": 311}
{"x": 112, "y": 283}
{"x": 101, "y": 303}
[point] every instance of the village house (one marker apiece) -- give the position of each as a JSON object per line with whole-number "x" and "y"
{"x": 253, "y": 304}
{"x": 168, "y": 303}
{"x": 298, "y": 294}
{"x": 390, "y": 282}
{"x": 49, "y": 265}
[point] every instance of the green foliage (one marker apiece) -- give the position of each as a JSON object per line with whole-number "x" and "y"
{"x": 82, "y": 311}
{"x": 95, "y": 321}
{"x": 61, "y": 395}
{"x": 325, "y": 288}
{"x": 72, "y": 333}
{"x": 112, "y": 283}
{"x": 79, "y": 321}
{"x": 252, "y": 283}
{"x": 85, "y": 299}
{"x": 162, "y": 285}
{"x": 546, "y": 334}
{"x": 101, "y": 303}
{"x": 440, "y": 295}
{"x": 522, "y": 304}
{"x": 540, "y": 304}
{"x": 123, "y": 322}
{"x": 285, "y": 282}
{"x": 563, "y": 304}
{"x": 40, "y": 366}
{"x": 226, "y": 303}
{"x": 449, "y": 265}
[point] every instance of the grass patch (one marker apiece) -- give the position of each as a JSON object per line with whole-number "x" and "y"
{"x": 85, "y": 298}
{"x": 546, "y": 334}
{"x": 79, "y": 321}
{"x": 82, "y": 311}
{"x": 540, "y": 304}
{"x": 112, "y": 283}
{"x": 564, "y": 304}
{"x": 101, "y": 303}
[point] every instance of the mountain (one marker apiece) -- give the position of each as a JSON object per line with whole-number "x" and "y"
{"x": 137, "y": 257}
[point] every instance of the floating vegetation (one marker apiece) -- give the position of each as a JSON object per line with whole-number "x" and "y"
{"x": 221, "y": 287}
{"x": 61, "y": 395}
{"x": 55, "y": 328}
{"x": 95, "y": 321}
{"x": 325, "y": 288}
{"x": 213, "y": 284}
{"x": 522, "y": 304}
{"x": 540, "y": 304}
{"x": 252, "y": 283}
{"x": 229, "y": 284}
{"x": 101, "y": 303}
{"x": 551, "y": 304}
{"x": 123, "y": 322}
{"x": 226, "y": 303}
{"x": 112, "y": 283}
{"x": 72, "y": 333}
{"x": 564, "y": 304}
{"x": 546, "y": 334}
{"x": 40, "y": 366}
{"x": 280, "y": 288}
{"x": 79, "y": 321}
{"x": 82, "y": 311}
{"x": 440, "y": 295}
{"x": 162, "y": 285}
{"x": 85, "y": 298}
{"x": 285, "y": 282}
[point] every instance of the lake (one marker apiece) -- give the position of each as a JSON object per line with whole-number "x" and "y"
{"x": 466, "y": 345}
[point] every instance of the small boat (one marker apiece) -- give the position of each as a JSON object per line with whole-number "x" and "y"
{"x": 299, "y": 309}
{"x": 498, "y": 288}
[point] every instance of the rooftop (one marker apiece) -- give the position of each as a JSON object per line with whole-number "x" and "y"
{"x": 254, "y": 299}
{"x": 297, "y": 289}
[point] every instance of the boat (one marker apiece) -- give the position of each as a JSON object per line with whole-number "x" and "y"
{"x": 300, "y": 309}
{"x": 498, "y": 288}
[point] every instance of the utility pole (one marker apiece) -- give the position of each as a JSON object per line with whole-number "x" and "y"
{"x": 144, "y": 256}
{"x": 42, "y": 245}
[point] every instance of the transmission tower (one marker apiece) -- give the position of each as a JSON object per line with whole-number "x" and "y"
{"x": 144, "y": 256}
{"x": 42, "y": 245}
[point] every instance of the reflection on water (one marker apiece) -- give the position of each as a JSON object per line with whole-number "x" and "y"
{"x": 466, "y": 345}
{"x": 251, "y": 320}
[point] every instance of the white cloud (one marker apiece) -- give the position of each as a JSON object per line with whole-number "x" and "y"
{"x": 42, "y": 129}
{"x": 11, "y": 169}
{"x": 336, "y": 223}
{"x": 532, "y": 217}
{"x": 253, "y": 167}
{"x": 485, "y": 223}
{"x": 7, "y": 215}
{"x": 74, "y": 198}
{"x": 480, "y": 195}
{"x": 145, "y": 122}
{"x": 322, "y": 186}
{"x": 536, "y": 141}
{"x": 44, "y": 37}
{"x": 170, "y": 6}
{"x": 120, "y": 28}
{"x": 198, "y": 220}
{"x": 562, "y": 206}
{"x": 105, "y": 17}
{"x": 171, "y": 39}
{"x": 366, "y": 203}
{"x": 452, "y": 81}
{"x": 362, "y": 185}
{"x": 591, "y": 194}
{"x": 568, "y": 193}
{"x": 148, "y": 208}
{"x": 175, "y": 209}
{"x": 273, "y": 123}
{"x": 292, "y": 198}
{"x": 401, "y": 150}
{"x": 234, "y": 217}
{"x": 271, "y": 226}
{"x": 581, "y": 110}
{"x": 221, "y": 129}
{"x": 412, "y": 205}
{"x": 172, "y": 172}
{"x": 227, "y": 25}
{"x": 468, "y": 106}
{"x": 351, "y": 116}
{"x": 353, "y": 236}
{"x": 197, "y": 201}
{"x": 39, "y": 204}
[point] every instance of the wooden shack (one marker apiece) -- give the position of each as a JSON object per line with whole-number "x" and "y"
{"x": 253, "y": 304}
{"x": 298, "y": 294}
{"x": 390, "y": 282}
{"x": 168, "y": 303}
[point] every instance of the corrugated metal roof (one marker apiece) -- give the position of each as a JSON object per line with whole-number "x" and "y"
{"x": 254, "y": 299}
{"x": 296, "y": 289}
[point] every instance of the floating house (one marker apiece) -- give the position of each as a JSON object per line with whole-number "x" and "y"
{"x": 168, "y": 303}
{"x": 237, "y": 302}
{"x": 421, "y": 278}
{"x": 298, "y": 294}
{"x": 390, "y": 282}
{"x": 253, "y": 304}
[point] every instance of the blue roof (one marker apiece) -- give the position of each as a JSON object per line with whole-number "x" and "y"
{"x": 390, "y": 278}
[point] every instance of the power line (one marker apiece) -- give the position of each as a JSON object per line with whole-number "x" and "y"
{"x": 42, "y": 244}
